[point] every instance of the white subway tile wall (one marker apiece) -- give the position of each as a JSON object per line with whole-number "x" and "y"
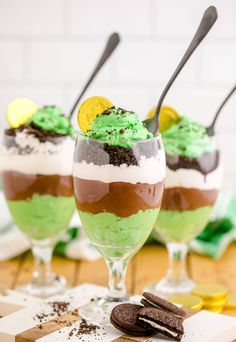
{"x": 48, "y": 49}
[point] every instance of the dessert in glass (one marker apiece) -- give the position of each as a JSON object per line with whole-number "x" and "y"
{"x": 118, "y": 171}
{"x": 193, "y": 180}
{"x": 36, "y": 167}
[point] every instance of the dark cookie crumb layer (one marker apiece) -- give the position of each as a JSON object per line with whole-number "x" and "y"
{"x": 35, "y": 131}
{"x": 205, "y": 164}
{"x": 103, "y": 154}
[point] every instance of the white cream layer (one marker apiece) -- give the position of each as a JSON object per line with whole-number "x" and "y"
{"x": 150, "y": 170}
{"x": 159, "y": 327}
{"x": 45, "y": 158}
{"x": 190, "y": 178}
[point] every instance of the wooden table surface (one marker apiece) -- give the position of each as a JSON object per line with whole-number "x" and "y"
{"x": 146, "y": 267}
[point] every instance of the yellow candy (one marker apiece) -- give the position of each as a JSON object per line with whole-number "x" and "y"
{"x": 210, "y": 292}
{"x": 215, "y": 309}
{"x": 168, "y": 117}
{"x": 89, "y": 110}
{"x": 231, "y": 301}
{"x": 214, "y": 303}
{"x": 19, "y": 111}
{"x": 188, "y": 301}
{"x": 151, "y": 113}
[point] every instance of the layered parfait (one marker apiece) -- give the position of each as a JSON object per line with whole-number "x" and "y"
{"x": 118, "y": 170}
{"x": 193, "y": 180}
{"x": 37, "y": 172}
{"x": 118, "y": 182}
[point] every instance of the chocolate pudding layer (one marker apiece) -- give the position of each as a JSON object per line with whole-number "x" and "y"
{"x": 180, "y": 199}
{"x": 120, "y": 198}
{"x": 19, "y": 186}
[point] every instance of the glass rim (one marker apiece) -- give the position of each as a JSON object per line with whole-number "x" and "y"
{"x": 210, "y": 137}
{"x": 83, "y": 137}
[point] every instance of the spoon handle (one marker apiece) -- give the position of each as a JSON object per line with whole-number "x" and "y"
{"x": 208, "y": 20}
{"x": 210, "y": 129}
{"x": 111, "y": 45}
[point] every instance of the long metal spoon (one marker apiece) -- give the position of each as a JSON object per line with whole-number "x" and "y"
{"x": 210, "y": 129}
{"x": 208, "y": 20}
{"x": 111, "y": 45}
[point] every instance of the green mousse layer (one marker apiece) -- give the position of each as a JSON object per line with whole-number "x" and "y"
{"x": 52, "y": 119}
{"x": 118, "y": 127}
{"x": 43, "y": 217}
{"x": 116, "y": 236}
{"x": 182, "y": 226}
{"x": 187, "y": 138}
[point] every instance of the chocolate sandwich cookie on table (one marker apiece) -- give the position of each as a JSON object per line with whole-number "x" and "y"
{"x": 161, "y": 322}
{"x": 124, "y": 317}
{"x": 151, "y": 300}
{"x": 157, "y": 316}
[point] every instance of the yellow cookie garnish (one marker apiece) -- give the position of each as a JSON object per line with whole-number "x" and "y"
{"x": 90, "y": 109}
{"x": 188, "y": 301}
{"x": 215, "y": 310}
{"x": 168, "y": 117}
{"x": 210, "y": 292}
{"x": 231, "y": 301}
{"x": 214, "y": 303}
{"x": 19, "y": 111}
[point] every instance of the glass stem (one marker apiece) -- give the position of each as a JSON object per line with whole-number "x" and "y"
{"x": 116, "y": 285}
{"x": 42, "y": 275}
{"x": 177, "y": 271}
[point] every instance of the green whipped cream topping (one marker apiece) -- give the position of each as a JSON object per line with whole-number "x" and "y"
{"x": 52, "y": 119}
{"x": 118, "y": 127}
{"x": 187, "y": 138}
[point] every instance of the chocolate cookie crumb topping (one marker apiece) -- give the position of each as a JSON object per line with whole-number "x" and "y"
{"x": 35, "y": 131}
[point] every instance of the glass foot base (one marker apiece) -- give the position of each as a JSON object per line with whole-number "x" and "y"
{"x": 166, "y": 287}
{"x": 57, "y": 285}
{"x": 98, "y": 312}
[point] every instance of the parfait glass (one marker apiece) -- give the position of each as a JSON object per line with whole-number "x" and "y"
{"x": 191, "y": 189}
{"x": 38, "y": 187}
{"x": 118, "y": 194}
